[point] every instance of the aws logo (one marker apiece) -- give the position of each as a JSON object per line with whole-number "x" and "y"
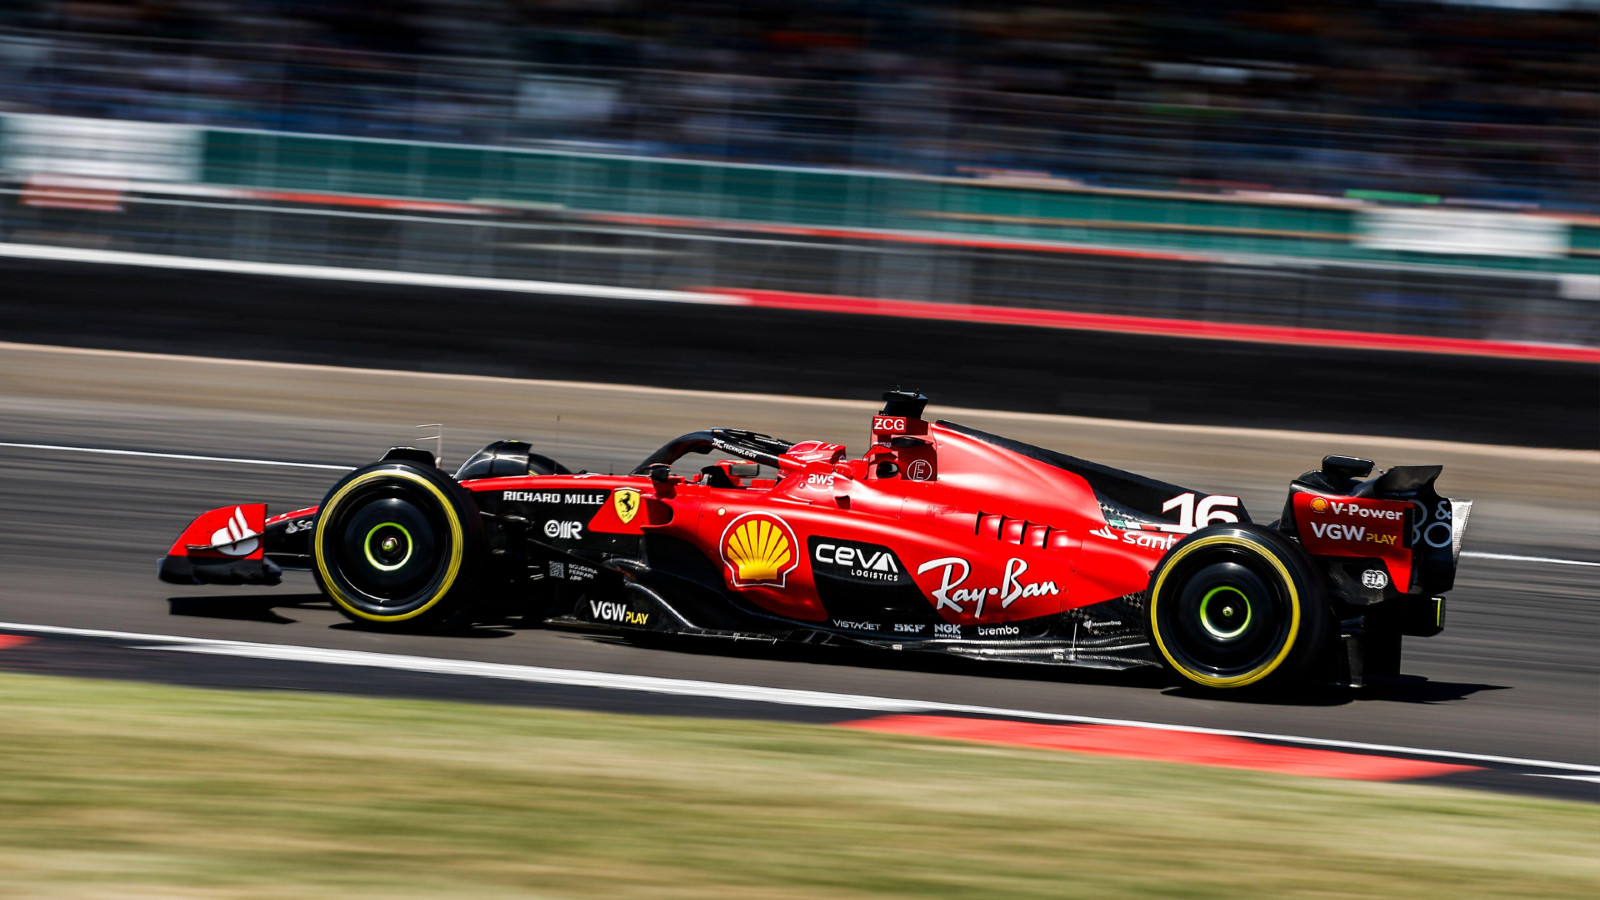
{"x": 758, "y": 549}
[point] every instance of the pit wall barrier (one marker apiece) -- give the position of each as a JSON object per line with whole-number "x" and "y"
{"x": 1384, "y": 229}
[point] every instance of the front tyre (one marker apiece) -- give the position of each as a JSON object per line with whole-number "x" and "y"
{"x": 398, "y": 543}
{"x": 1236, "y": 606}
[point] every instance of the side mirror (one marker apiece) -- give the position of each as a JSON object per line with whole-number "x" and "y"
{"x": 742, "y": 470}
{"x": 660, "y": 472}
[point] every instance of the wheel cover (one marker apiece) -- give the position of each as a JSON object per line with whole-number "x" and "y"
{"x": 1192, "y": 631}
{"x": 389, "y": 545}
{"x": 1231, "y": 616}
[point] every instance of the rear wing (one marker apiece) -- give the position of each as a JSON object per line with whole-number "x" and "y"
{"x": 1393, "y": 534}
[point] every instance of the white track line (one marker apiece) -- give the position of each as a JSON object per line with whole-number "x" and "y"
{"x": 368, "y": 276}
{"x": 1534, "y": 559}
{"x": 862, "y": 407}
{"x": 724, "y": 691}
{"x": 303, "y": 465}
{"x": 184, "y": 456}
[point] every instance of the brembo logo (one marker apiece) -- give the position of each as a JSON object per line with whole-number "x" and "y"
{"x": 758, "y": 549}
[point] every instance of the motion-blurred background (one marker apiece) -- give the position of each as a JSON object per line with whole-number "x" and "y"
{"x": 1410, "y": 167}
{"x": 1369, "y": 228}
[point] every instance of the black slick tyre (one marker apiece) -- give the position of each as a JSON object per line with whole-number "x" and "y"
{"x": 398, "y": 544}
{"x": 1237, "y": 606}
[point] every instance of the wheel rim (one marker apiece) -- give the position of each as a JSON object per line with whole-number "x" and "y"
{"x": 1229, "y": 617}
{"x": 388, "y": 546}
{"x": 1225, "y": 614}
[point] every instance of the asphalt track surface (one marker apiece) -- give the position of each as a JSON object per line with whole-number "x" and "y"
{"x": 1513, "y": 675}
{"x": 686, "y": 345}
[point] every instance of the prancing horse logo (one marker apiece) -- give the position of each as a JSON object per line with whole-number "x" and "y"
{"x": 626, "y": 503}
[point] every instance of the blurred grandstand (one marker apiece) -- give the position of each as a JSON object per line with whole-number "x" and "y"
{"x": 1323, "y": 125}
{"x": 1421, "y": 97}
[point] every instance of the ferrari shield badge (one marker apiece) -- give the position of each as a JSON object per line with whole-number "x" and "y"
{"x": 626, "y": 503}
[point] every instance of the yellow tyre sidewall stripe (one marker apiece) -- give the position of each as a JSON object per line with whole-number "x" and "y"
{"x": 456, "y": 545}
{"x": 1261, "y": 671}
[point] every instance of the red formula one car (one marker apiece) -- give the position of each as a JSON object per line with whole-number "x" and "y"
{"x": 940, "y": 538}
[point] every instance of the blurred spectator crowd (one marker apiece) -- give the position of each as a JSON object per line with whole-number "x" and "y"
{"x": 1497, "y": 102}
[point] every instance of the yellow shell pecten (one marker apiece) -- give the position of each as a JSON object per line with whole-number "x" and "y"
{"x": 759, "y": 550}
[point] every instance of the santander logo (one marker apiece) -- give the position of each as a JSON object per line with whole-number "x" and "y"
{"x": 235, "y": 538}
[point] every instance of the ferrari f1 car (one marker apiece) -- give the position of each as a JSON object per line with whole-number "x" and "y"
{"x": 940, "y": 538}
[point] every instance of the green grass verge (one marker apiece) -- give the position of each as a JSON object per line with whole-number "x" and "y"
{"x": 126, "y": 790}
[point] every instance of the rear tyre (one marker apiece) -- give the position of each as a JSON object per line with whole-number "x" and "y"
{"x": 398, "y": 544}
{"x": 1237, "y": 606}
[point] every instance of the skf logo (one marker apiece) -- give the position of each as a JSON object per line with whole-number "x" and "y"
{"x": 1319, "y": 505}
{"x": 758, "y": 549}
{"x": 626, "y": 503}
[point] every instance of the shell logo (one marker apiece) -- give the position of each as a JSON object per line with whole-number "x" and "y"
{"x": 1319, "y": 505}
{"x": 759, "y": 549}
